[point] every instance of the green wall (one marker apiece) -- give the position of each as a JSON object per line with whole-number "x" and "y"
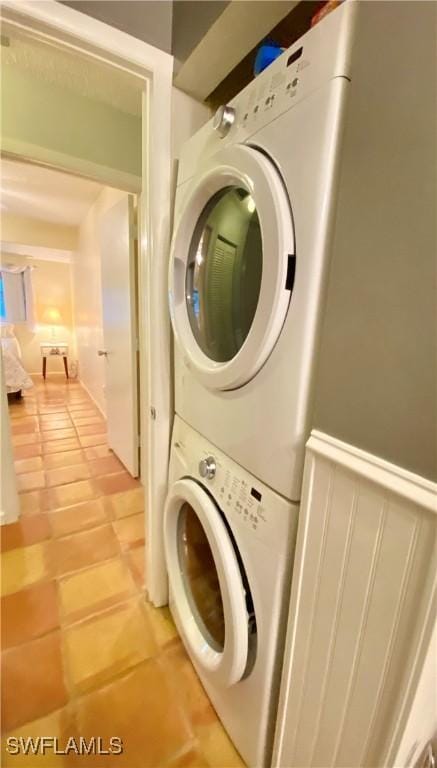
{"x": 50, "y": 123}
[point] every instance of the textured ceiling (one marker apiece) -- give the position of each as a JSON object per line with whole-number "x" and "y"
{"x": 78, "y": 73}
{"x": 41, "y": 193}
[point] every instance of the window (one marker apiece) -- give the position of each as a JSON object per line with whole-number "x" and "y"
{"x": 16, "y": 297}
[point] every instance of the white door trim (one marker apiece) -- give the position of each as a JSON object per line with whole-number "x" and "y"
{"x": 57, "y": 23}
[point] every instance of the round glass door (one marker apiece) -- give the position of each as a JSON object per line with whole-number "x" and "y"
{"x": 223, "y": 277}
{"x": 207, "y": 592}
{"x": 229, "y": 267}
{"x": 201, "y": 577}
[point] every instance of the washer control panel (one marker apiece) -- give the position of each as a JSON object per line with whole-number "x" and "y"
{"x": 243, "y": 500}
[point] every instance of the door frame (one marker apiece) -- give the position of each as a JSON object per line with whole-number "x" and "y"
{"x": 59, "y": 24}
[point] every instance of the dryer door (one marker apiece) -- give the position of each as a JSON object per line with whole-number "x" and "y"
{"x": 208, "y": 596}
{"x": 232, "y": 268}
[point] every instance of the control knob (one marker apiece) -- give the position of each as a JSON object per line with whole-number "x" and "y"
{"x": 207, "y": 467}
{"x": 223, "y": 120}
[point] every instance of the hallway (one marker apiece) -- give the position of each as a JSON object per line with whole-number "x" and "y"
{"x": 83, "y": 653}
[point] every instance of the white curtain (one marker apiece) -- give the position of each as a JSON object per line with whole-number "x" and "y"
{"x": 18, "y": 293}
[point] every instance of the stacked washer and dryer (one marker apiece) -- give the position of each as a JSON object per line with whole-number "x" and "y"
{"x": 250, "y": 254}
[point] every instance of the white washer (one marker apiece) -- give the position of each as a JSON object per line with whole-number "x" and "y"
{"x": 254, "y": 215}
{"x": 229, "y": 543}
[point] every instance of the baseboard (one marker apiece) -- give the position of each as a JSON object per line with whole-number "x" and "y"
{"x": 91, "y": 397}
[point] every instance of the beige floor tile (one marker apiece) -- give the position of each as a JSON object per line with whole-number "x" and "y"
{"x": 100, "y": 648}
{"x": 81, "y": 421}
{"x": 58, "y": 434}
{"x": 136, "y": 560}
{"x": 29, "y": 613}
{"x": 59, "y": 724}
{"x": 47, "y": 409}
{"x": 73, "y": 493}
{"x": 85, "y": 548}
{"x": 187, "y": 686}
{"x": 31, "y": 481}
{"x": 63, "y": 459}
{"x": 105, "y": 465}
{"x": 130, "y": 530}
{"x": 125, "y": 503}
{"x": 162, "y": 624}
{"x": 83, "y": 411}
{"x": 192, "y": 758}
{"x": 24, "y": 566}
{"x": 94, "y": 589}
{"x": 27, "y": 439}
{"x": 47, "y": 423}
{"x": 27, "y": 451}
{"x": 88, "y": 440}
{"x": 32, "y": 681}
{"x": 141, "y": 709}
{"x": 56, "y": 446}
{"x": 27, "y": 530}
{"x": 32, "y": 464}
{"x": 79, "y": 517}
{"x": 20, "y": 427}
{"x": 33, "y": 501}
{"x": 63, "y": 475}
{"x": 32, "y": 420}
{"x": 217, "y": 748}
{"x": 92, "y": 429}
{"x": 97, "y": 452}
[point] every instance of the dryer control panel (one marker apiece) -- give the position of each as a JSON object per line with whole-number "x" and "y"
{"x": 242, "y": 499}
{"x": 320, "y": 55}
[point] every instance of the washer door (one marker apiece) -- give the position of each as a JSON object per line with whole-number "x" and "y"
{"x": 208, "y": 596}
{"x": 232, "y": 268}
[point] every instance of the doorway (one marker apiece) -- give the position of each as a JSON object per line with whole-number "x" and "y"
{"x": 88, "y": 40}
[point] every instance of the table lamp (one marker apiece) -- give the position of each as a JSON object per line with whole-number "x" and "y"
{"x": 53, "y": 317}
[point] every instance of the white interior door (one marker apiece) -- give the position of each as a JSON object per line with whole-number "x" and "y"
{"x": 118, "y": 250}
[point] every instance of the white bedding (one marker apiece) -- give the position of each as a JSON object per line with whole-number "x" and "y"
{"x": 16, "y": 377}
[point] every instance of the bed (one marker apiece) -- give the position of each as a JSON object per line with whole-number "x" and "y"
{"x": 16, "y": 377}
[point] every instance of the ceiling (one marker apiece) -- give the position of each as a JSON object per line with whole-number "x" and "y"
{"x": 45, "y": 194}
{"x": 76, "y": 72}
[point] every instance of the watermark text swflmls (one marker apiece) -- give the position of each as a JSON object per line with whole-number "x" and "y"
{"x": 42, "y": 745}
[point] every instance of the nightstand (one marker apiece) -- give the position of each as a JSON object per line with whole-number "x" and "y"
{"x": 51, "y": 349}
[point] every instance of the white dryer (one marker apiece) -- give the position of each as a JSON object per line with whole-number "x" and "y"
{"x": 229, "y": 543}
{"x": 255, "y": 205}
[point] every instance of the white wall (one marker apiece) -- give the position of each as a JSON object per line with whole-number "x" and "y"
{"x": 25, "y": 230}
{"x": 9, "y": 503}
{"x": 187, "y": 116}
{"x": 52, "y": 288}
{"x": 87, "y": 290}
{"x": 150, "y": 21}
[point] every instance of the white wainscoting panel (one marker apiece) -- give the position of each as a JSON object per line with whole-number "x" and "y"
{"x": 361, "y": 611}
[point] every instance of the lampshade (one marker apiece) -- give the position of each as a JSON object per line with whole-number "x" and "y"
{"x": 51, "y": 316}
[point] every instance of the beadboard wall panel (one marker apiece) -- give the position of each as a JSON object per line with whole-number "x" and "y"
{"x": 361, "y": 599}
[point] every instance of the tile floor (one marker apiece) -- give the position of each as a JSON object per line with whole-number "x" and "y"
{"x": 83, "y": 652}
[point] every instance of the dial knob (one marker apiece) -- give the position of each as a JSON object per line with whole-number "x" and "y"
{"x": 207, "y": 467}
{"x": 223, "y": 120}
